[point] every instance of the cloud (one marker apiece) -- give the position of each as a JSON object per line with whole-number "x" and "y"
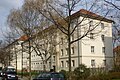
{"x": 10, "y": 3}
{"x": 5, "y": 7}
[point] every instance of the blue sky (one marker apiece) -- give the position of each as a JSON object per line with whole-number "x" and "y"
{"x": 5, "y": 7}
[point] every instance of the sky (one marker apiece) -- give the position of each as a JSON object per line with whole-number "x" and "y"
{"x": 5, "y": 7}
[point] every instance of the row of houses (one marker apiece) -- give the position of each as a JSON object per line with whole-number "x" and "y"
{"x": 95, "y": 50}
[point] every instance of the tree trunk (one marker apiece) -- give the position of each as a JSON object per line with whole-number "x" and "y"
{"x": 29, "y": 60}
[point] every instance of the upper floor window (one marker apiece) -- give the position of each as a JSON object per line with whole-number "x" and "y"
{"x": 53, "y": 58}
{"x": 72, "y": 50}
{"x": 91, "y": 23}
{"x": 102, "y": 26}
{"x": 72, "y": 25}
{"x": 91, "y": 36}
{"x": 103, "y": 37}
{"x": 92, "y": 49}
{"x": 66, "y": 51}
{"x": 61, "y": 52}
{"x": 62, "y": 40}
{"x": 72, "y": 37}
{"x": 103, "y": 49}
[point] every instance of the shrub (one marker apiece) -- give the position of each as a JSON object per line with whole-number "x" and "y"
{"x": 65, "y": 73}
{"x": 116, "y": 69}
{"x": 102, "y": 76}
{"x": 81, "y": 72}
{"x": 114, "y": 75}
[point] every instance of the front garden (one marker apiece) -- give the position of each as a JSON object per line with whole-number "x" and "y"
{"x": 84, "y": 73}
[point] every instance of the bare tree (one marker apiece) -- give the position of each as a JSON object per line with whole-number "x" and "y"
{"x": 115, "y": 16}
{"x": 60, "y": 13}
{"x": 28, "y": 21}
{"x": 9, "y": 37}
{"x": 45, "y": 44}
{"x": 3, "y": 53}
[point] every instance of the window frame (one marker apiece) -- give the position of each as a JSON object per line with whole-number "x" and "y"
{"x": 61, "y": 52}
{"x": 103, "y": 50}
{"x": 102, "y": 26}
{"x": 72, "y": 50}
{"x": 92, "y": 49}
{"x": 93, "y": 62}
{"x": 91, "y": 36}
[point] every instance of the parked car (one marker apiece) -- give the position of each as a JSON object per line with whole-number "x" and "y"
{"x": 0, "y": 71}
{"x": 50, "y": 76}
{"x": 9, "y": 73}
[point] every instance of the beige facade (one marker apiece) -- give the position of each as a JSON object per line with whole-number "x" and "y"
{"x": 94, "y": 50}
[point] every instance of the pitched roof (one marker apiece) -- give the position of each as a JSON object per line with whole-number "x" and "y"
{"x": 116, "y": 49}
{"x": 88, "y": 14}
{"x": 82, "y": 12}
{"x": 23, "y": 38}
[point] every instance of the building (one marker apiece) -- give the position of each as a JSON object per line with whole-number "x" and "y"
{"x": 94, "y": 50}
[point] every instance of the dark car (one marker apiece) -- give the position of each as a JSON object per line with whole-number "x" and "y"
{"x": 0, "y": 71}
{"x": 50, "y": 76}
{"x": 9, "y": 73}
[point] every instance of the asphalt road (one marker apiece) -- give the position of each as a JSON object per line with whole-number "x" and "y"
{"x": 19, "y": 78}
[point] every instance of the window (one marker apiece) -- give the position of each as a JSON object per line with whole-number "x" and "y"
{"x": 104, "y": 62}
{"x": 49, "y": 64}
{"x": 72, "y": 37}
{"x": 53, "y": 58}
{"x": 103, "y": 49}
{"x": 119, "y": 32}
{"x": 73, "y": 63}
{"x": 66, "y": 63}
{"x": 62, "y": 64}
{"x": 93, "y": 63}
{"x": 61, "y": 52}
{"x": 90, "y": 23}
{"x": 92, "y": 49}
{"x": 66, "y": 51}
{"x": 103, "y": 37}
{"x": 62, "y": 40}
{"x": 91, "y": 35}
{"x": 102, "y": 25}
{"x": 72, "y": 52}
{"x": 72, "y": 25}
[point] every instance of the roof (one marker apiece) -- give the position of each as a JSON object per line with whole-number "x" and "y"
{"x": 116, "y": 49}
{"x": 23, "y": 38}
{"x": 82, "y": 12}
{"x": 88, "y": 14}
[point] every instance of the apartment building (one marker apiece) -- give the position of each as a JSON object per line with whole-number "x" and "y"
{"x": 94, "y": 50}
